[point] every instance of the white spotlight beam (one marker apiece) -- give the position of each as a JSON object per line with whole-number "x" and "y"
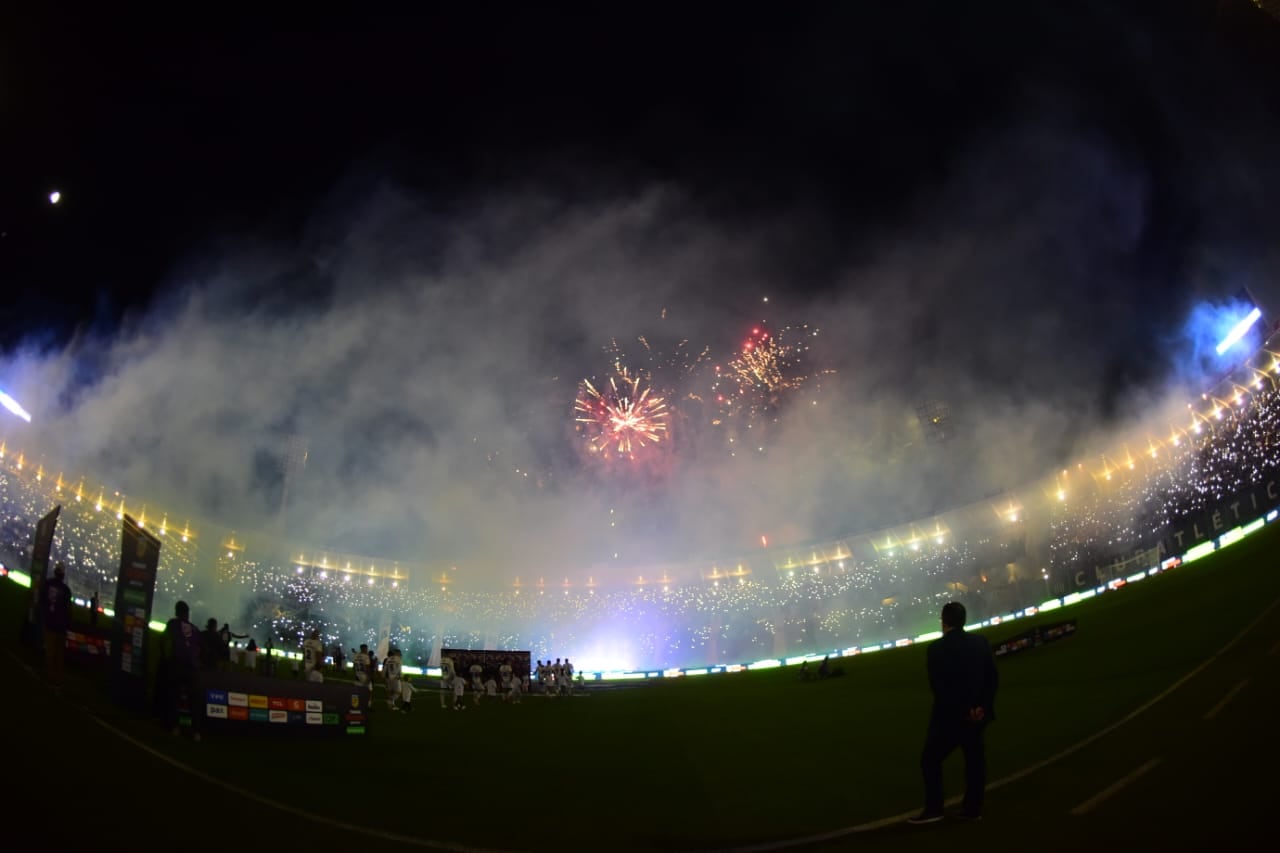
{"x": 13, "y": 406}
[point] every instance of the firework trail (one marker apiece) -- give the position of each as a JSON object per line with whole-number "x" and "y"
{"x": 669, "y": 371}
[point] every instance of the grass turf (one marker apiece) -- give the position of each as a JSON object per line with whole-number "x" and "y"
{"x": 718, "y": 760}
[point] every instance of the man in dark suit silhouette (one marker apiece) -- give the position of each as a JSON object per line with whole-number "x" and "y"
{"x": 963, "y": 678}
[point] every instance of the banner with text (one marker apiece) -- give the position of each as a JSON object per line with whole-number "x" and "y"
{"x": 41, "y": 548}
{"x": 243, "y": 703}
{"x": 1190, "y": 529}
{"x": 135, "y": 592}
{"x": 1035, "y": 638}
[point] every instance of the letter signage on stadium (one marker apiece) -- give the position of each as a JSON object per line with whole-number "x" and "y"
{"x": 1192, "y": 529}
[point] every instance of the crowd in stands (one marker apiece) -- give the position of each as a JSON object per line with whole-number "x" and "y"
{"x": 875, "y": 597}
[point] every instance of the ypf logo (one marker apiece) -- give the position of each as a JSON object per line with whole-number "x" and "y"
{"x": 355, "y": 700}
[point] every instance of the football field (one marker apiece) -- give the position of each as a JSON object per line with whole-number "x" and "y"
{"x": 1150, "y": 724}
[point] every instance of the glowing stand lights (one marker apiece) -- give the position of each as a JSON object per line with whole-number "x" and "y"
{"x": 1225, "y": 539}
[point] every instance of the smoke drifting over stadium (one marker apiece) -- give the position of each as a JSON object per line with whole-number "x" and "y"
{"x": 1019, "y": 302}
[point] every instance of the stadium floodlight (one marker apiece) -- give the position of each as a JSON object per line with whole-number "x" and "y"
{"x": 1239, "y": 330}
{"x": 13, "y": 406}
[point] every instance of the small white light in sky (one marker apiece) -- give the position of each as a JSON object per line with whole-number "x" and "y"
{"x": 55, "y": 197}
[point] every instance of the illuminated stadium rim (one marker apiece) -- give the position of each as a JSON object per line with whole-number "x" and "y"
{"x": 1191, "y": 555}
{"x": 1224, "y": 395}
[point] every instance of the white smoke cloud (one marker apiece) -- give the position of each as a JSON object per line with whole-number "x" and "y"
{"x": 430, "y": 359}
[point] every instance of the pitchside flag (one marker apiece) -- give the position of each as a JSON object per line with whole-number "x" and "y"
{"x": 135, "y": 590}
{"x": 41, "y": 547}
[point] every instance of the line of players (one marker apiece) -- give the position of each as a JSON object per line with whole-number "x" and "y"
{"x": 399, "y": 689}
{"x": 552, "y": 679}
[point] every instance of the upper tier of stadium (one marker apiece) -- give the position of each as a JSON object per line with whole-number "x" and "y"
{"x": 1052, "y": 536}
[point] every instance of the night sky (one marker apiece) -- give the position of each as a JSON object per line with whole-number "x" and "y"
{"x": 926, "y": 177}
{"x": 166, "y": 142}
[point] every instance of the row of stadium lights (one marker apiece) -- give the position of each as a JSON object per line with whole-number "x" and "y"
{"x": 1195, "y": 553}
{"x": 99, "y": 504}
{"x": 665, "y": 580}
{"x": 1239, "y": 398}
{"x": 1011, "y": 514}
{"x": 346, "y": 577}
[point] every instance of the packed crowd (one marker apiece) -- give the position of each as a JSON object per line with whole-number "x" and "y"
{"x": 851, "y": 597}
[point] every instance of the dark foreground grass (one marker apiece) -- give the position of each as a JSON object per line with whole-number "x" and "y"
{"x": 718, "y": 760}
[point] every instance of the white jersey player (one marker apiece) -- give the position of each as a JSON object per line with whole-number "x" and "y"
{"x": 513, "y": 691}
{"x": 446, "y": 678}
{"x": 566, "y": 678}
{"x": 543, "y": 674}
{"x": 504, "y": 675}
{"x": 313, "y": 657}
{"x": 459, "y": 688}
{"x": 391, "y": 672}
{"x": 363, "y": 666}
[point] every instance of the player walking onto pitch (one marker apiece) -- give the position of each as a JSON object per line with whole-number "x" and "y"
{"x": 360, "y": 663}
{"x": 406, "y": 694}
{"x": 459, "y": 688}
{"x": 566, "y": 678}
{"x": 446, "y": 678}
{"x": 504, "y": 674}
{"x": 313, "y": 657}
{"x": 391, "y": 672}
{"x": 510, "y": 683}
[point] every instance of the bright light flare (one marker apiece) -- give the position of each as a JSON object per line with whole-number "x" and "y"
{"x": 55, "y": 197}
{"x": 13, "y": 406}
{"x": 1239, "y": 330}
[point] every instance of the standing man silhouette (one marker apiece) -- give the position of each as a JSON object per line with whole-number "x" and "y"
{"x": 55, "y": 600}
{"x": 963, "y": 678}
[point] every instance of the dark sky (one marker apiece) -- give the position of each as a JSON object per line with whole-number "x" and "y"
{"x": 165, "y": 142}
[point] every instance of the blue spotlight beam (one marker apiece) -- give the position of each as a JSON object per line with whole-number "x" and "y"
{"x": 1239, "y": 330}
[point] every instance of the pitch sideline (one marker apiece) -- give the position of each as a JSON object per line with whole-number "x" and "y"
{"x": 783, "y": 844}
{"x": 833, "y": 834}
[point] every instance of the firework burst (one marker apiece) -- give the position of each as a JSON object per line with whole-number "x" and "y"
{"x": 752, "y": 386}
{"x": 621, "y": 418}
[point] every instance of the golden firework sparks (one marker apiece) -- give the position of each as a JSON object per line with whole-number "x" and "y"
{"x": 622, "y": 417}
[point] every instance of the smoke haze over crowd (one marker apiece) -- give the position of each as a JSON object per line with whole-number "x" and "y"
{"x": 426, "y": 348}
